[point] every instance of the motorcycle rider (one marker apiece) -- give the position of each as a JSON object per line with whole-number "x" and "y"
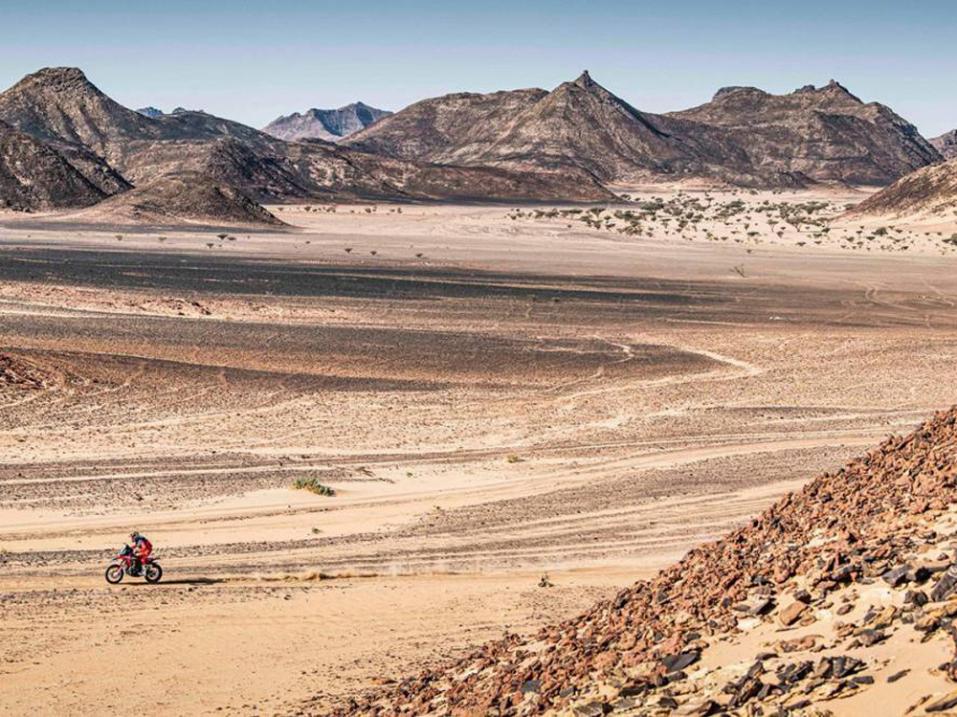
{"x": 142, "y": 548}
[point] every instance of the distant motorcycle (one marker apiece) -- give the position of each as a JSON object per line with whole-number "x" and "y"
{"x": 124, "y": 563}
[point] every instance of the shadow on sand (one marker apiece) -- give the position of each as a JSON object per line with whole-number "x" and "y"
{"x": 184, "y": 581}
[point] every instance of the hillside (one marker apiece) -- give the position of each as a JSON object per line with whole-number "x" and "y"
{"x": 328, "y": 125}
{"x": 34, "y": 176}
{"x": 824, "y": 135}
{"x": 182, "y": 198}
{"x": 808, "y": 603}
{"x": 928, "y": 191}
{"x": 946, "y": 144}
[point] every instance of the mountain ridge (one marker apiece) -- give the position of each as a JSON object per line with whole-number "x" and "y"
{"x": 570, "y": 143}
{"x": 63, "y": 109}
{"x": 580, "y": 123}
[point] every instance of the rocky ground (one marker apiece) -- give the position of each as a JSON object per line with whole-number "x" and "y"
{"x": 819, "y": 599}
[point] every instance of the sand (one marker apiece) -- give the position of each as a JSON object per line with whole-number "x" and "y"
{"x": 491, "y": 399}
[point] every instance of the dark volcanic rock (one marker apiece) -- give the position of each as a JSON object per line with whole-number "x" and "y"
{"x": 674, "y": 663}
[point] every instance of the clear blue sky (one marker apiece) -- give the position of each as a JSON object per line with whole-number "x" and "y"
{"x": 251, "y": 61}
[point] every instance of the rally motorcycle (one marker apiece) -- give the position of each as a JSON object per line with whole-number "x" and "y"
{"x": 124, "y": 563}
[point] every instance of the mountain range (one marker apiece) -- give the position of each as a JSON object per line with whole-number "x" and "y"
{"x": 744, "y": 136}
{"x": 330, "y": 125}
{"x": 114, "y": 148}
{"x": 67, "y": 144}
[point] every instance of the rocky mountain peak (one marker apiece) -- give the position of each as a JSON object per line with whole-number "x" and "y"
{"x": 57, "y": 77}
{"x": 836, "y": 88}
{"x": 585, "y": 81}
{"x": 735, "y": 90}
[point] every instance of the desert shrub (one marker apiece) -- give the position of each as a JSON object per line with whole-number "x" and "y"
{"x": 313, "y": 486}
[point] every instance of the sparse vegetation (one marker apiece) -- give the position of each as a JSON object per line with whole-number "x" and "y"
{"x": 746, "y": 222}
{"x": 313, "y": 486}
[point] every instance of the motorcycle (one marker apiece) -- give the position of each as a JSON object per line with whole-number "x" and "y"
{"x": 124, "y": 563}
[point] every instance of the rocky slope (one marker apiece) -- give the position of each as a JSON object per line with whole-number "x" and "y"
{"x": 946, "y": 144}
{"x": 188, "y": 197}
{"x": 328, "y": 125}
{"x": 843, "y": 588}
{"x": 928, "y": 191}
{"x": 34, "y": 176}
{"x": 745, "y": 136}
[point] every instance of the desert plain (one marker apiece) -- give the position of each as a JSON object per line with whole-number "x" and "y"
{"x": 519, "y": 412}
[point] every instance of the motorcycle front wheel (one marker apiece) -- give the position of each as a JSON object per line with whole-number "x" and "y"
{"x": 153, "y": 573}
{"x": 114, "y": 574}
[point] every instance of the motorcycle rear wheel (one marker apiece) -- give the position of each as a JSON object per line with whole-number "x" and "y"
{"x": 153, "y": 573}
{"x": 114, "y": 574}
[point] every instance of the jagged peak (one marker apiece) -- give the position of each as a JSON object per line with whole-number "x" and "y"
{"x": 836, "y": 87}
{"x": 833, "y": 87}
{"x": 585, "y": 80}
